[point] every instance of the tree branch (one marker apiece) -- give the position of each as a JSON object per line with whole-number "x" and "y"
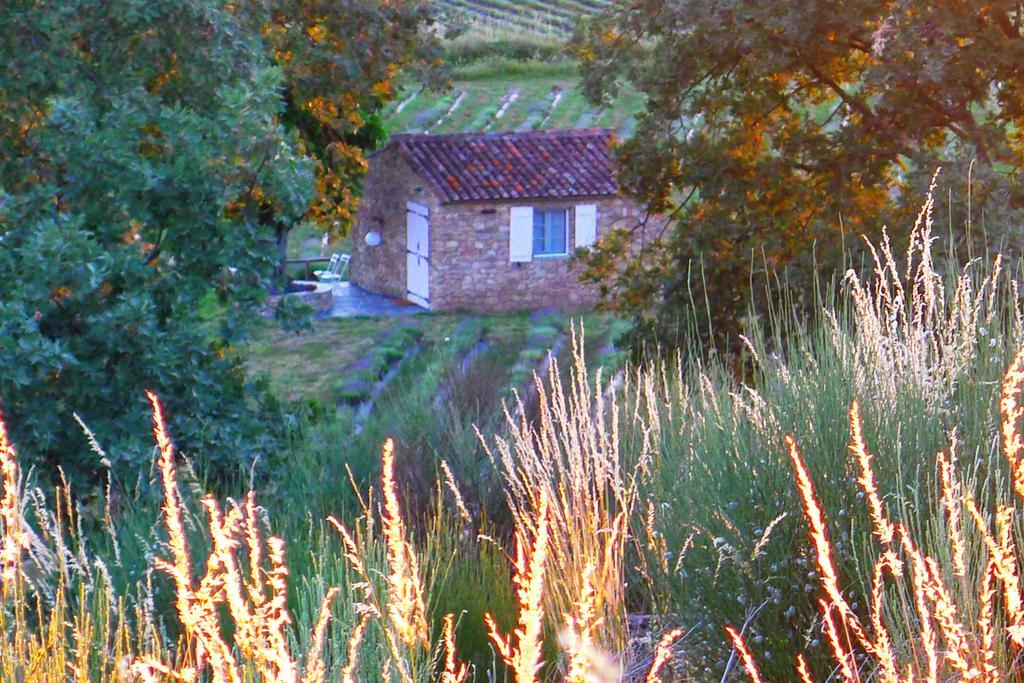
{"x": 846, "y": 97}
{"x": 154, "y": 253}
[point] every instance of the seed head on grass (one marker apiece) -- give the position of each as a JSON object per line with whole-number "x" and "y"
{"x": 274, "y": 618}
{"x": 454, "y": 671}
{"x": 1003, "y": 563}
{"x": 1012, "y": 410}
{"x": 256, "y": 600}
{"x": 524, "y": 656}
{"x": 847, "y": 667}
{"x": 951, "y": 503}
{"x": 748, "y": 659}
{"x": 460, "y": 503}
{"x": 401, "y": 607}
{"x": 587, "y": 662}
{"x": 571, "y": 454}
{"x": 884, "y": 529}
{"x": 193, "y": 612}
{"x": 986, "y": 592}
{"x": 13, "y": 540}
{"x": 886, "y": 562}
{"x": 314, "y": 661}
{"x": 354, "y": 642}
{"x": 931, "y": 617}
{"x": 802, "y": 670}
{"x": 406, "y": 608}
{"x": 662, "y": 654}
{"x": 352, "y": 552}
{"x": 822, "y": 547}
{"x": 943, "y": 608}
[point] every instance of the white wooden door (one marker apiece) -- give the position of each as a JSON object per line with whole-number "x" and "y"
{"x": 417, "y": 254}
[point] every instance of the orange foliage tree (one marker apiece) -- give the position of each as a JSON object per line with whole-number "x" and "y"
{"x": 775, "y": 135}
{"x": 340, "y": 60}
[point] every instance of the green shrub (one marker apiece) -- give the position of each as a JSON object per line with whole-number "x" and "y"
{"x": 515, "y": 47}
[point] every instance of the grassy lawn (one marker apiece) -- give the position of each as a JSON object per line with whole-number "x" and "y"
{"x": 309, "y": 365}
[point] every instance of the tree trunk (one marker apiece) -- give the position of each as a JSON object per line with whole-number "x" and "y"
{"x": 281, "y": 240}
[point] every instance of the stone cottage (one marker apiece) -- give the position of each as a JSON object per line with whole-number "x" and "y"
{"x": 486, "y": 222}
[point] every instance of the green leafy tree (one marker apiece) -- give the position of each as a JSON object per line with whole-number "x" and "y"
{"x": 140, "y": 145}
{"x": 340, "y": 61}
{"x": 776, "y": 134}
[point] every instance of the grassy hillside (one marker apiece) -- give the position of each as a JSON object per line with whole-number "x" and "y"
{"x": 511, "y": 73}
{"x": 533, "y": 99}
{"x": 543, "y": 16}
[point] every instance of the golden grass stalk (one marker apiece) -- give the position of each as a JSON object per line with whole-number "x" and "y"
{"x": 197, "y": 613}
{"x": 822, "y": 547}
{"x": 587, "y": 663}
{"x": 352, "y": 552}
{"x": 662, "y": 654}
{"x": 354, "y": 642}
{"x": 569, "y": 455}
{"x": 524, "y": 655}
{"x": 579, "y": 627}
{"x": 745, "y": 656}
{"x": 314, "y": 658}
{"x": 53, "y": 641}
{"x": 1003, "y": 563}
{"x": 13, "y": 540}
{"x": 951, "y": 503}
{"x": 400, "y": 605}
{"x": 955, "y": 642}
{"x": 944, "y": 610}
{"x": 912, "y": 332}
{"x": 920, "y": 584}
{"x": 460, "y": 504}
{"x": 406, "y": 610}
{"x": 802, "y": 671}
{"x": 887, "y": 561}
{"x": 884, "y": 529}
{"x": 454, "y": 671}
{"x": 1012, "y": 410}
{"x": 985, "y": 624}
{"x": 256, "y": 600}
{"x": 847, "y": 667}
{"x": 152, "y": 670}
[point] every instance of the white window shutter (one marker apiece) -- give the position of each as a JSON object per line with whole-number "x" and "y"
{"x": 520, "y": 234}
{"x": 586, "y": 225}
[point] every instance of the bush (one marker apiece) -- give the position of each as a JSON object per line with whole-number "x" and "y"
{"x": 515, "y": 47}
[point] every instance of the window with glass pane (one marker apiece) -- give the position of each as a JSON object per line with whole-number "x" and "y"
{"x": 549, "y": 232}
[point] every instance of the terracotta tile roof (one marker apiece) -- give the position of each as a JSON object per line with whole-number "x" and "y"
{"x": 496, "y": 166}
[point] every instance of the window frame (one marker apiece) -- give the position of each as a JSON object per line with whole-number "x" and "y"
{"x": 566, "y": 228}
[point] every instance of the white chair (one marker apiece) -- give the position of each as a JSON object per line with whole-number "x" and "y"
{"x": 335, "y": 271}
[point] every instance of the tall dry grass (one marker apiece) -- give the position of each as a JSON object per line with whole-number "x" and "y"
{"x": 254, "y": 592}
{"x": 60, "y": 618}
{"x": 915, "y": 328}
{"x": 673, "y": 491}
{"x": 564, "y": 471}
{"x": 920, "y": 347}
{"x": 398, "y": 606}
{"x": 232, "y": 606}
{"x": 945, "y": 607}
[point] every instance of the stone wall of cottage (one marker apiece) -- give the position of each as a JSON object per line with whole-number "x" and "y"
{"x": 389, "y": 183}
{"x": 469, "y": 246}
{"x": 470, "y": 266}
